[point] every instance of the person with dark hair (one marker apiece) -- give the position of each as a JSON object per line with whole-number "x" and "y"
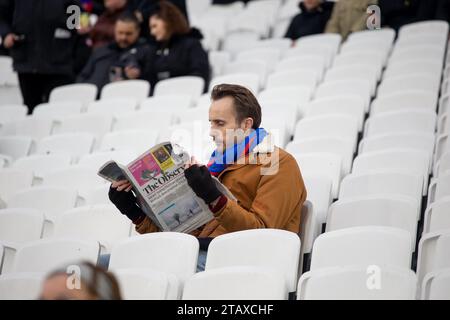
{"x": 312, "y": 19}
{"x": 177, "y": 50}
{"x": 91, "y": 283}
{"x": 265, "y": 179}
{"x": 125, "y": 58}
{"x": 41, "y": 43}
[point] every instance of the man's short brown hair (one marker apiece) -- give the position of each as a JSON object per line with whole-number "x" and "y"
{"x": 245, "y": 103}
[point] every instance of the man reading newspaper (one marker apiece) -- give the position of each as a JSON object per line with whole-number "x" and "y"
{"x": 265, "y": 179}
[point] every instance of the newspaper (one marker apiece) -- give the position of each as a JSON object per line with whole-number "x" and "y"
{"x": 158, "y": 181}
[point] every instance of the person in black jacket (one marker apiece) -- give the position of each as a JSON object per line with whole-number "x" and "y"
{"x": 37, "y": 35}
{"x": 397, "y": 13}
{"x": 177, "y": 50}
{"x": 124, "y": 59}
{"x": 312, "y": 19}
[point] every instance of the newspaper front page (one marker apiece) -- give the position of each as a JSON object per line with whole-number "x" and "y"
{"x": 163, "y": 194}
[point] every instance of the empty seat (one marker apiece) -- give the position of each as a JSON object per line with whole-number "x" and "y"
{"x": 41, "y": 164}
{"x": 358, "y": 283}
{"x": 187, "y": 85}
{"x": 403, "y": 68}
{"x": 365, "y": 246}
{"x": 84, "y": 222}
{"x": 14, "y": 180}
{"x": 112, "y": 106}
{"x": 20, "y": 286}
{"x": 58, "y": 109}
{"x": 98, "y": 195}
{"x": 154, "y": 120}
{"x": 18, "y": 226}
{"x": 310, "y": 62}
{"x": 135, "y": 89}
{"x": 405, "y": 100}
{"x": 361, "y": 88}
{"x": 249, "y": 80}
{"x": 389, "y": 211}
{"x": 442, "y": 164}
{"x": 437, "y": 286}
{"x": 437, "y": 217}
{"x": 439, "y": 188}
{"x": 354, "y": 72}
{"x": 35, "y": 127}
{"x": 256, "y": 67}
{"x": 176, "y": 102}
{"x": 419, "y": 81}
{"x": 15, "y": 146}
{"x": 218, "y": 60}
{"x": 83, "y": 92}
{"x": 302, "y": 77}
{"x": 319, "y": 194}
{"x": 269, "y": 56}
{"x": 278, "y": 250}
{"x": 73, "y": 144}
{"x": 49, "y": 254}
{"x": 236, "y": 283}
{"x": 299, "y": 95}
{"x": 12, "y": 112}
{"x": 137, "y": 140}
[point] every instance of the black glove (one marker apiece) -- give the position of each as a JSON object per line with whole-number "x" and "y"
{"x": 126, "y": 203}
{"x": 202, "y": 183}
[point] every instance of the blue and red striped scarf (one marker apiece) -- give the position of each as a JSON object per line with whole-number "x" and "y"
{"x": 219, "y": 161}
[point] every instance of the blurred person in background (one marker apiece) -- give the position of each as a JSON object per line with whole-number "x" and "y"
{"x": 177, "y": 50}
{"x": 349, "y": 16}
{"x": 41, "y": 45}
{"x": 92, "y": 283}
{"x": 396, "y": 13}
{"x": 311, "y": 20}
{"x": 126, "y": 58}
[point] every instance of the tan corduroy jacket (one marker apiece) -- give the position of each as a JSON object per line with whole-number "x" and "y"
{"x": 270, "y": 194}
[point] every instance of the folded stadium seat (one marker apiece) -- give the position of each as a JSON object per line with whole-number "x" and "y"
{"x": 37, "y": 128}
{"x": 112, "y": 106}
{"x": 422, "y": 39}
{"x": 187, "y": 85}
{"x": 402, "y": 160}
{"x": 236, "y": 283}
{"x": 255, "y": 21}
{"x": 385, "y": 183}
{"x": 282, "y": 113}
{"x": 437, "y": 286}
{"x": 412, "y": 140}
{"x": 332, "y": 40}
{"x": 354, "y": 72}
{"x": 12, "y": 112}
{"x": 136, "y": 140}
{"x": 145, "y": 284}
{"x": 135, "y": 89}
{"x": 436, "y": 215}
{"x": 154, "y": 120}
{"x": 367, "y": 58}
{"x": 404, "y": 68}
{"x": 346, "y": 87}
{"x": 423, "y": 28}
{"x": 319, "y": 195}
{"x": 83, "y": 223}
{"x": 257, "y": 67}
{"x": 416, "y": 81}
{"x": 300, "y": 95}
{"x": 405, "y": 100}
{"x": 79, "y": 177}
{"x": 324, "y": 164}
{"x": 20, "y": 286}
{"x": 41, "y": 164}
{"x": 82, "y": 92}
{"x": 380, "y": 48}
{"x": 442, "y": 147}
{"x": 278, "y": 250}
{"x": 45, "y": 255}
{"x": 55, "y": 110}
{"x": 387, "y": 35}
{"x": 97, "y": 159}
{"x": 270, "y": 56}
{"x": 52, "y": 201}
{"x": 280, "y": 28}
{"x": 309, "y": 62}
{"x": 5, "y": 161}
{"x": 218, "y": 60}
{"x": 433, "y": 255}
{"x": 272, "y": 43}
{"x": 443, "y": 126}
{"x": 351, "y": 104}
{"x": 176, "y": 102}
{"x": 17, "y": 227}
{"x": 98, "y": 195}
{"x": 249, "y": 80}
{"x": 392, "y": 211}
{"x": 439, "y": 188}
{"x": 169, "y": 252}
{"x": 400, "y": 122}
{"x": 338, "y": 146}
{"x": 193, "y": 114}
{"x": 96, "y": 124}
{"x": 235, "y": 42}
{"x": 338, "y": 126}
{"x": 305, "y": 49}
{"x": 418, "y": 51}
{"x": 302, "y": 77}
{"x": 352, "y": 283}
{"x": 275, "y": 125}
{"x": 442, "y": 165}
{"x": 14, "y": 180}
{"x": 73, "y": 144}
{"x": 366, "y": 246}
{"x": 15, "y": 146}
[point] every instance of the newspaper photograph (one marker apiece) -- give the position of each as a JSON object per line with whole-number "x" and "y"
{"x": 161, "y": 188}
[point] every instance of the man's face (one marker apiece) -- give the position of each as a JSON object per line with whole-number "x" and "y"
{"x": 311, "y": 4}
{"x": 226, "y": 130}
{"x": 125, "y": 34}
{"x": 56, "y": 288}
